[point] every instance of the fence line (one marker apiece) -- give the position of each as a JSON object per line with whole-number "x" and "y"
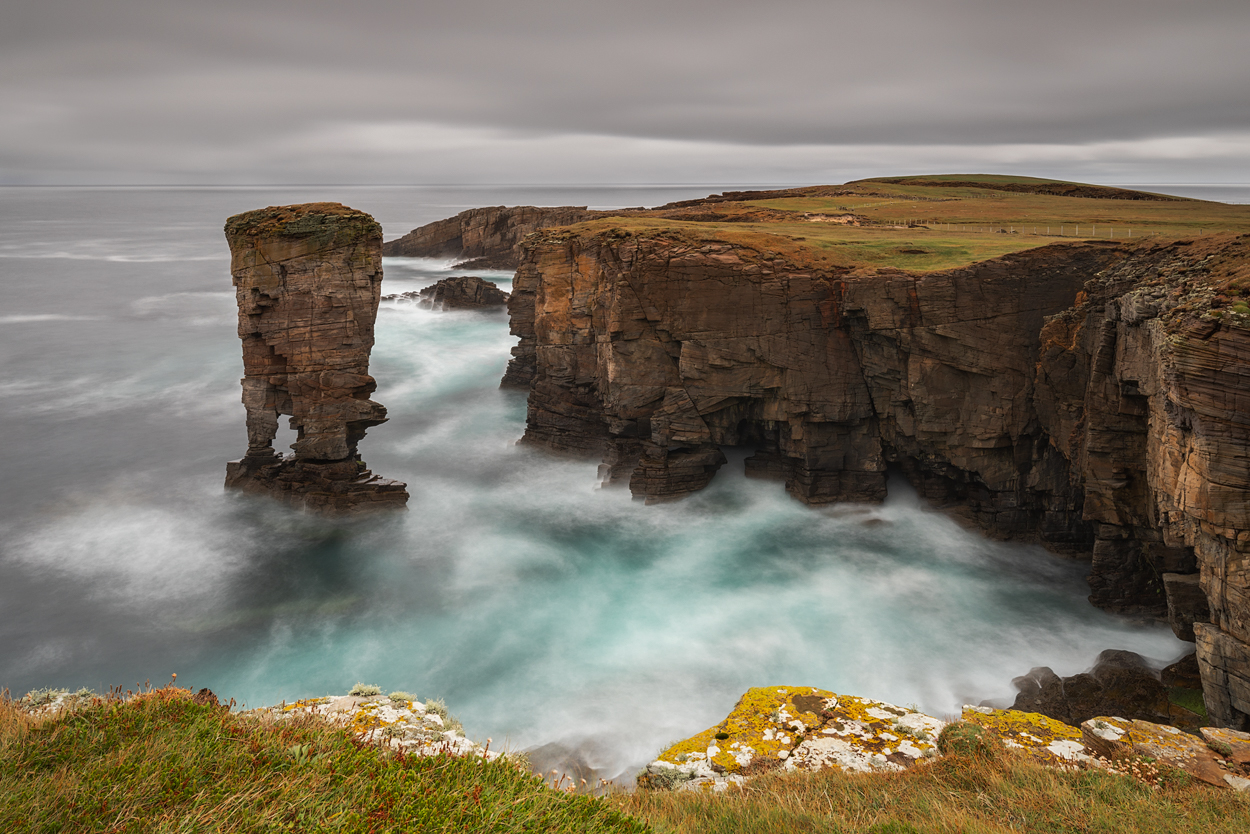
{"x": 1040, "y": 230}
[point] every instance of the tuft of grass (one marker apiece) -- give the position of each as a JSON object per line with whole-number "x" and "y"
{"x": 365, "y": 689}
{"x": 159, "y": 762}
{"x": 957, "y": 793}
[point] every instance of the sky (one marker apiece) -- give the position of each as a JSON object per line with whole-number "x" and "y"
{"x": 631, "y": 91}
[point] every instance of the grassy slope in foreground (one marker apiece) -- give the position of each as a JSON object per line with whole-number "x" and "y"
{"x": 924, "y": 225}
{"x": 161, "y": 762}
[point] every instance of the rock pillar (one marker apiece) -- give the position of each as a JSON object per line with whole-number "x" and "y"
{"x": 307, "y": 279}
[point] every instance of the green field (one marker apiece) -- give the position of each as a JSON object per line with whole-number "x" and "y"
{"x": 924, "y": 225}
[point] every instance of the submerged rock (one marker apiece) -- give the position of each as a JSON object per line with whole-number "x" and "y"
{"x": 307, "y": 280}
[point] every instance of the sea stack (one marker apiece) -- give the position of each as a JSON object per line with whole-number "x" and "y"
{"x": 307, "y": 279}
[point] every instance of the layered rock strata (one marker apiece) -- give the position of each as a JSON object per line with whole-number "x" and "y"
{"x": 484, "y": 238}
{"x": 1083, "y": 395}
{"x": 307, "y": 280}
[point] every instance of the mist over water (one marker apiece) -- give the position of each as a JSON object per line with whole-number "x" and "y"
{"x": 542, "y": 608}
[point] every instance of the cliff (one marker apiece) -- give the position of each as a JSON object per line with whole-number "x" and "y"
{"x": 307, "y": 281}
{"x": 483, "y": 238}
{"x": 1084, "y": 395}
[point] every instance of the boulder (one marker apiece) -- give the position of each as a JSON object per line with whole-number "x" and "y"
{"x": 464, "y": 293}
{"x": 796, "y": 728}
{"x": 1117, "y": 738}
{"x": 1120, "y": 683}
{"x": 1187, "y": 603}
{"x": 1040, "y": 737}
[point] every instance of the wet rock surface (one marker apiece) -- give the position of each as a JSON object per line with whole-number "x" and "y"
{"x": 462, "y": 292}
{"x": 307, "y": 280}
{"x": 1120, "y": 683}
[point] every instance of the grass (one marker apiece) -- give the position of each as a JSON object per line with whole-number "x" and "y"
{"x": 160, "y": 762}
{"x": 928, "y": 227}
{"x": 968, "y": 794}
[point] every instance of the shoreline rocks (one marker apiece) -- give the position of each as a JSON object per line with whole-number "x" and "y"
{"x": 462, "y": 292}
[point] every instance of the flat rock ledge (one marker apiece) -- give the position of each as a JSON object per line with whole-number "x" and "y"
{"x": 798, "y": 728}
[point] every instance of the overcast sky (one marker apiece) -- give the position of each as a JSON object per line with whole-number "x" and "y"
{"x": 663, "y": 91}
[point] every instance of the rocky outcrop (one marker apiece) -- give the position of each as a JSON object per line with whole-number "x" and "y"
{"x": 307, "y": 280}
{"x": 484, "y": 238}
{"x": 1090, "y": 396}
{"x": 796, "y": 728}
{"x": 459, "y": 293}
{"x": 464, "y": 293}
{"x": 1120, "y": 683}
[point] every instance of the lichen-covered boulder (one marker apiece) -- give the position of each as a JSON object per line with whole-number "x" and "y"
{"x": 796, "y": 728}
{"x": 1117, "y": 738}
{"x": 1041, "y": 737}
{"x": 401, "y": 723}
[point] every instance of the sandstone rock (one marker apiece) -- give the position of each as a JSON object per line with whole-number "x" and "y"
{"x": 796, "y": 728}
{"x": 1225, "y": 665}
{"x": 464, "y": 293}
{"x": 1232, "y": 745}
{"x": 1116, "y": 738}
{"x": 1183, "y": 674}
{"x": 1080, "y": 395}
{"x": 1120, "y": 683}
{"x": 1187, "y": 604}
{"x": 307, "y": 281}
{"x": 486, "y": 238}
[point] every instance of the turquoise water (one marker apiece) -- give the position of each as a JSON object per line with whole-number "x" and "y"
{"x": 541, "y": 607}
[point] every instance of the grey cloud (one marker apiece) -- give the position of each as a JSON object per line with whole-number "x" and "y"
{"x": 209, "y": 89}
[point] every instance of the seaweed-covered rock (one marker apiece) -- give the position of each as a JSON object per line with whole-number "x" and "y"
{"x": 796, "y": 728}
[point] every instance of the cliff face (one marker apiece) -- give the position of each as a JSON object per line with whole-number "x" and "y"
{"x": 307, "y": 280}
{"x": 1077, "y": 394}
{"x": 485, "y": 238}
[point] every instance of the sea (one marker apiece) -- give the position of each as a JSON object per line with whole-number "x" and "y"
{"x": 549, "y": 613}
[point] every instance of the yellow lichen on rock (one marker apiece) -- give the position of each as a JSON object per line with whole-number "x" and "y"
{"x": 764, "y": 726}
{"x": 1040, "y": 736}
{"x": 798, "y": 728}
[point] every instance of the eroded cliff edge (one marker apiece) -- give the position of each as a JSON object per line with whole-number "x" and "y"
{"x": 1083, "y": 395}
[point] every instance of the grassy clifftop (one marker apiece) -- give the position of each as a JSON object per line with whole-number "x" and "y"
{"x": 165, "y": 761}
{"x": 924, "y": 224}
